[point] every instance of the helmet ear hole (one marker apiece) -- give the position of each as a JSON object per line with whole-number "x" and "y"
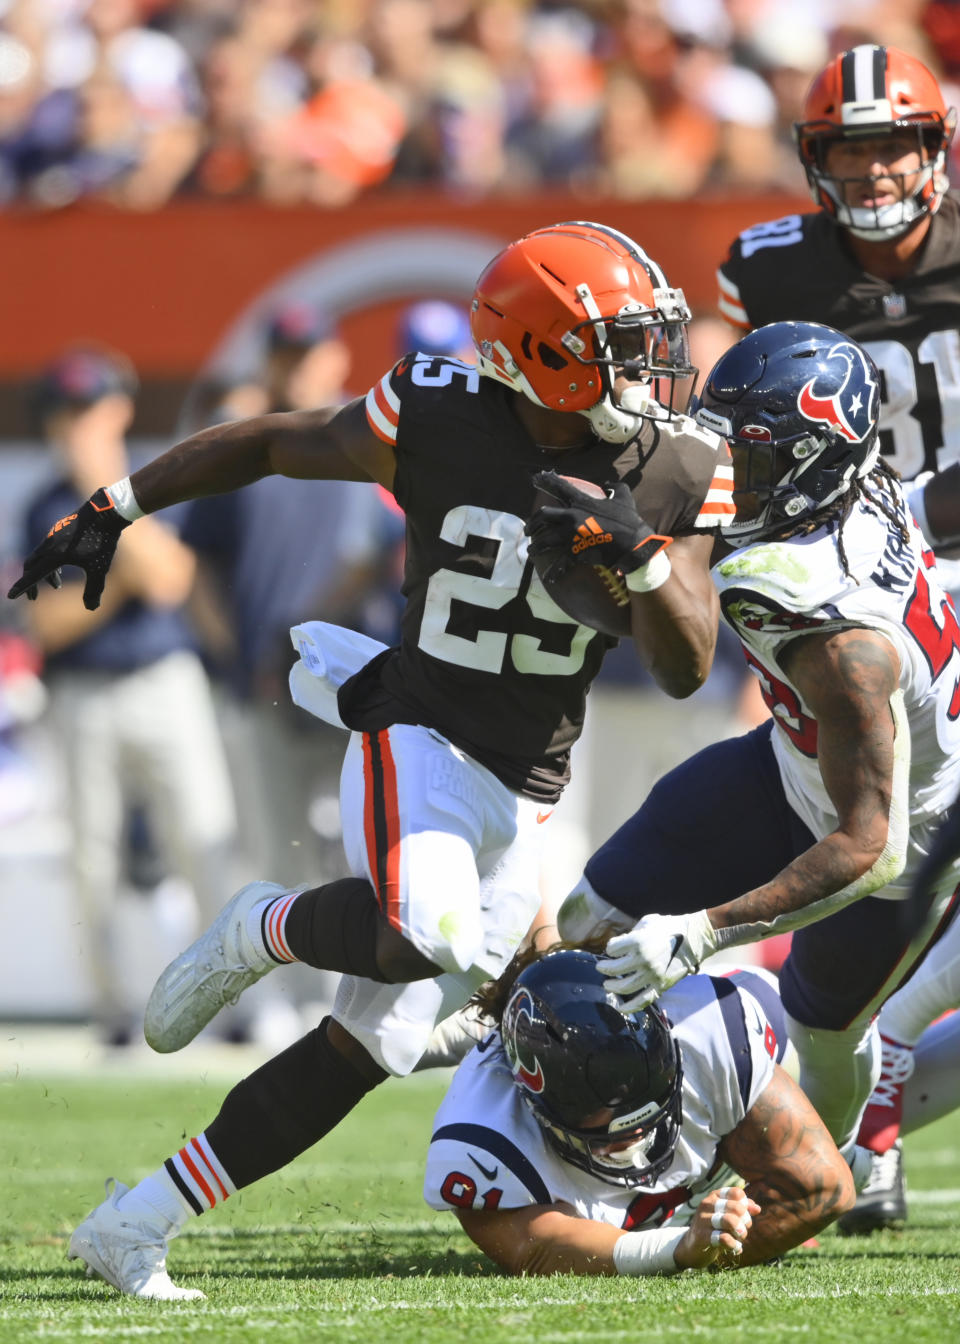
{"x": 551, "y": 358}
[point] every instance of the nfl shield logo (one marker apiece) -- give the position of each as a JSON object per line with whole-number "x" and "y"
{"x": 894, "y": 305}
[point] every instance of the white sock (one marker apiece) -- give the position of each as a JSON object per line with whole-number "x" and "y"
{"x": 932, "y": 990}
{"x": 933, "y": 1089}
{"x": 156, "y": 1201}
{"x": 265, "y": 930}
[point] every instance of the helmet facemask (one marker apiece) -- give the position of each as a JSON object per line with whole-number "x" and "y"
{"x": 879, "y": 222}
{"x": 630, "y": 1149}
{"x": 647, "y": 346}
{"x": 789, "y": 480}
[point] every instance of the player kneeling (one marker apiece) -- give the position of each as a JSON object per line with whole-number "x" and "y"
{"x": 578, "y": 1139}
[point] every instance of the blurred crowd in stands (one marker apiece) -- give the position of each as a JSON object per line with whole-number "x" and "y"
{"x": 135, "y": 102}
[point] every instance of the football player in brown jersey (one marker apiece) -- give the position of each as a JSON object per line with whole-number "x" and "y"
{"x": 460, "y": 736}
{"x": 880, "y": 261}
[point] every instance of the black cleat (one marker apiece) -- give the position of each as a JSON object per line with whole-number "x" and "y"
{"x": 882, "y": 1203}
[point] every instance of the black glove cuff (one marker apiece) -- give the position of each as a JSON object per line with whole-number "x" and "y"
{"x": 104, "y": 512}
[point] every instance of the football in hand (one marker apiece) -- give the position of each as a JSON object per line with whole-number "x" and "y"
{"x": 593, "y": 595}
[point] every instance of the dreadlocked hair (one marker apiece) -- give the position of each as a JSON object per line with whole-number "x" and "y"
{"x": 493, "y": 996}
{"x": 879, "y": 488}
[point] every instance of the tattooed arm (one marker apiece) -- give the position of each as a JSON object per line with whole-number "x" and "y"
{"x": 792, "y": 1168}
{"x": 850, "y": 682}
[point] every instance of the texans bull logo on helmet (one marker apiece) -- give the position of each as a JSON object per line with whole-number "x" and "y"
{"x": 527, "y": 1072}
{"x": 850, "y": 408}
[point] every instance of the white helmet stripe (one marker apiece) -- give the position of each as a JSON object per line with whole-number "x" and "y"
{"x": 863, "y": 73}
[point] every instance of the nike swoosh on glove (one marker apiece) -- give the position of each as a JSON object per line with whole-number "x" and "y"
{"x": 87, "y": 539}
{"x": 592, "y": 531}
{"x": 661, "y": 950}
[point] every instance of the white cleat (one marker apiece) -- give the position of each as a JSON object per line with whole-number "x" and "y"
{"x": 213, "y": 972}
{"x": 129, "y": 1255}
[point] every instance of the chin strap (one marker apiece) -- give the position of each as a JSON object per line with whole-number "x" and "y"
{"x": 888, "y": 221}
{"x": 620, "y": 423}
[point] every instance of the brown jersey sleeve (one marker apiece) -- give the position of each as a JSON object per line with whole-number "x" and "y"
{"x": 687, "y": 482}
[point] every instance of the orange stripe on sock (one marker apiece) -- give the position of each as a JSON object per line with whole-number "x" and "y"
{"x": 187, "y": 1161}
{"x": 274, "y": 926}
{"x": 206, "y": 1162}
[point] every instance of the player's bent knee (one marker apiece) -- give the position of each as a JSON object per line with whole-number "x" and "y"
{"x": 340, "y": 1040}
{"x": 398, "y": 961}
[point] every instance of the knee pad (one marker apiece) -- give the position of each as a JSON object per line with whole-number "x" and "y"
{"x": 398, "y": 961}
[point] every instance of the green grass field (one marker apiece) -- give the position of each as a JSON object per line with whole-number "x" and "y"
{"x": 339, "y": 1246}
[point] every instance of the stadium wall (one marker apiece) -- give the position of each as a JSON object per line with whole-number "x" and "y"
{"x": 179, "y": 290}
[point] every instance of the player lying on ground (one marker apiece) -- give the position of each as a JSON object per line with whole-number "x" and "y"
{"x": 572, "y": 1133}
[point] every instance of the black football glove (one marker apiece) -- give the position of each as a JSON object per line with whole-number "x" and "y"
{"x": 87, "y": 539}
{"x": 588, "y": 531}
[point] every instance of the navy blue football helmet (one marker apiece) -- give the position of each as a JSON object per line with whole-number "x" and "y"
{"x": 799, "y": 405}
{"x": 603, "y": 1085}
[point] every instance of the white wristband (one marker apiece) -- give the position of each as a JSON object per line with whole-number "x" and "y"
{"x": 649, "y": 576}
{"x": 124, "y": 500}
{"x": 648, "y": 1252}
{"x": 913, "y": 494}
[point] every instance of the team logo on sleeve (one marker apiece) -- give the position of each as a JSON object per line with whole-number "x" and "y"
{"x": 848, "y": 407}
{"x": 526, "y": 1071}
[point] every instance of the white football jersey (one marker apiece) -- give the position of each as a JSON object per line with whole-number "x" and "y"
{"x": 772, "y": 592}
{"x": 488, "y": 1152}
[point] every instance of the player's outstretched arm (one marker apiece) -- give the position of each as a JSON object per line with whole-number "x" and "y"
{"x": 328, "y": 444}
{"x": 554, "y": 1239}
{"x": 793, "y": 1171}
{"x": 542, "y": 1239}
{"x": 332, "y": 443}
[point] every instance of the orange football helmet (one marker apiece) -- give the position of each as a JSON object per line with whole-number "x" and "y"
{"x": 556, "y": 314}
{"x": 864, "y": 93}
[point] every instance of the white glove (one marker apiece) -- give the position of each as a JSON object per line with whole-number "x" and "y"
{"x": 661, "y": 950}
